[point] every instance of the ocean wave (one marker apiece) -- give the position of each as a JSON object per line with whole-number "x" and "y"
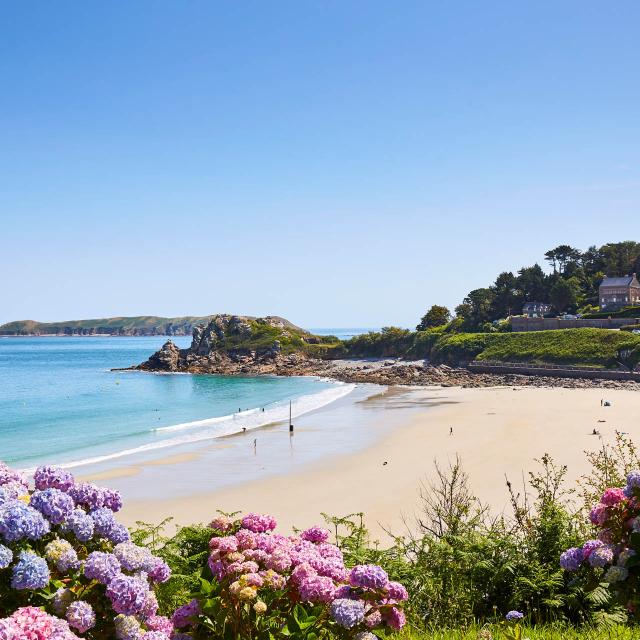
{"x": 220, "y": 426}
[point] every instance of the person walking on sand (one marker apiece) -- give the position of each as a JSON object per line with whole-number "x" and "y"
{"x": 255, "y": 445}
{"x": 450, "y": 431}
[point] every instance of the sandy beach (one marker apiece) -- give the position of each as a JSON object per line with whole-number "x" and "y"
{"x": 496, "y": 432}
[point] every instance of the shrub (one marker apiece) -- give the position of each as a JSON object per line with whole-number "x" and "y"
{"x": 261, "y": 584}
{"x": 62, "y": 549}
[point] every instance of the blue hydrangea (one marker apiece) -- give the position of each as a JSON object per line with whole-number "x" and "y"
{"x": 6, "y": 556}
{"x": 80, "y": 524}
{"x": 633, "y": 479}
{"x": 102, "y": 567}
{"x": 119, "y": 533}
{"x": 103, "y": 521}
{"x": 19, "y": 521}
{"x": 55, "y": 505}
{"x": 514, "y": 616}
{"x": 80, "y": 616}
{"x": 571, "y": 559}
{"x": 347, "y": 613}
{"x": 601, "y": 557}
{"x": 30, "y": 572}
{"x": 47, "y": 477}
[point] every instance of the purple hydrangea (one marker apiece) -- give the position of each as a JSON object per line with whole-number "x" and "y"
{"x": 127, "y": 628}
{"x": 103, "y": 567}
{"x": 589, "y": 547}
{"x": 601, "y": 556}
{"x": 6, "y": 556}
{"x": 132, "y": 557}
{"x": 127, "y": 594}
{"x": 30, "y": 572}
{"x": 80, "y": 524}
{"x": 46, "y": 477}
{"x": 316, "y": 589}
{"x": 9, "y": 475}
{"x": 19, "y": 521}
{"x": 397, "y": 591}
{"x": 119, "y": 533}
{"x": 633, "y": 479}
{"x": 571, "y": 559}
{"x": 103, "y": 521}
{"x": 112, "y": 499}
{"x": 514, "y": 616}
{"x": 80, "y": 616}
{"x": 347, "y": 613}
{"x": 368, "y": 576}
{"x": 52, "y": 503}
{"x": 395, "y": 618}
{"x": 11, "y": 491}
{"x": 315, "y": 534}
{"x": 87, "y": 495}
{"x": 183, "y": 616}
{"x": 159, "y": 623}
{"x": 155, "y": 635}
{"x": 159, "y": 571}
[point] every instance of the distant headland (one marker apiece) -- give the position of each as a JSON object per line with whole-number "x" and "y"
{"x": 118, "y": 326}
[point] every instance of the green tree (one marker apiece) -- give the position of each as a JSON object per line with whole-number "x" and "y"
{"x": 532, "y": 282}
{"x": 561, "y": 257}
{"x": 564, "y": 294}
{"x": 507, "y": 297}
{"x": 435, "y": 317}
{"x": 476, "y": 308}
{"x": 621, "y": 258}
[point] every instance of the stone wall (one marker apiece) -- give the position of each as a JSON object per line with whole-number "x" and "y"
{"x": 522, "y": 323}
{"x": 552, "y": 371}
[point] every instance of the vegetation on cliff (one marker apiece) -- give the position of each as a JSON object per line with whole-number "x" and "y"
{"x": 581, "y": 347}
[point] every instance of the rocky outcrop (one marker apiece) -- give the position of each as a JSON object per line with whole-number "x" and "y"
{"x": 231, "y": 344}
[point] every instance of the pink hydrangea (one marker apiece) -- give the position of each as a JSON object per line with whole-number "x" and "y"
{"x": 612, "y": 496}
{"x": 598, "y": 514}
{"x": 258, "y": 523}
{"x": 315, "y": 534}
{"x": 316, "y": 589}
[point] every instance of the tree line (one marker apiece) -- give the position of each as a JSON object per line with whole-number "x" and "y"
{"x": 570, "y": 286}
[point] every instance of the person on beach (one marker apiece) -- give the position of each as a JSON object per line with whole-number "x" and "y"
{"x": 255, "y": 445}
{"x": 450, "y": 431}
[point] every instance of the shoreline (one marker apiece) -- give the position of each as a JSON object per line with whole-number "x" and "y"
{"x": 497, "y": 431}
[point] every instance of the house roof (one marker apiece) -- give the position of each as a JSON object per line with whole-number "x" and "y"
{"x": 624, "y": 281}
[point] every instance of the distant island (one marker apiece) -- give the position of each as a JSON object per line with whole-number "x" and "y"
{"x": 119, "y": 326}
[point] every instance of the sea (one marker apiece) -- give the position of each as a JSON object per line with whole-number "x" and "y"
{"x": 61, "y": 403}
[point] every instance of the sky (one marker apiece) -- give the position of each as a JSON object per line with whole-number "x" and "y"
{"x": 340, "y": 163}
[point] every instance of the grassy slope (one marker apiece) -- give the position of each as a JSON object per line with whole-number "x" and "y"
{"x": 585, "y": 347}
{"x": 582, "y": 347}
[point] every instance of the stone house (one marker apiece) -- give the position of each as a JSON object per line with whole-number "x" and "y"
{"x": 616, "y": 293}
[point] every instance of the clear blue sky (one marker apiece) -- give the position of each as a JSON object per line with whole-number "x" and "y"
{"x": 340, "y": 163}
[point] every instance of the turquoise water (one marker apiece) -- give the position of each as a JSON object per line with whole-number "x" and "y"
{"x": 60, "y": 403}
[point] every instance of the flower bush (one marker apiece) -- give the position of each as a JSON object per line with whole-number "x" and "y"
{"x": 261, "y": 584}
{"x": 62, "y": 549}
{"x": 611, "y": 559}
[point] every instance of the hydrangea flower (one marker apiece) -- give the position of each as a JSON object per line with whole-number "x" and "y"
{"x": 633, "y": 479}
{"x": 616, "y": 574}
{"x": 8, "y": 475}
{"x": 6, "y": 556}
{"x": 258, "y": 523}
{"x": 87, "y": 495}
{"x": 30, "y": 572}
{"x": 80, "y": 616}
{"x": 47, "y": 477}
{"x": 397, "y": 591}
{"x": 612, "y": 497}
{"x": 347, "y": 613}
{"x": 514, "y": 616}
{"x": 80, "y": 524}
{"x": 589, "y": 546}
{"x": 19, "y": 521}
{"x": 34, "y": 624}
{"x": 183, "y": 616}
{"x": 103, "y": 521}
{"x": 571, "y": 559}
{"x": 61, "y": 600}
{"x": 127, "y": 594}
{"x": 601, "y": 556}
{"x": 103, "y": 567}
{"x": 395, "y": 618}
{"x": 625, "y": 556}
{"x": 112, "y": 499}
{"x": 315, "y": 534}
{"x": 127, "y": 628}
{"x": 159, "y": 623}
{"x": 316, "y": 589}
{"x": 368, "y": 576}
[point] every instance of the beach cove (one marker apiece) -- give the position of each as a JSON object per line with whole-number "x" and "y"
{"x": 497, "y": 433}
